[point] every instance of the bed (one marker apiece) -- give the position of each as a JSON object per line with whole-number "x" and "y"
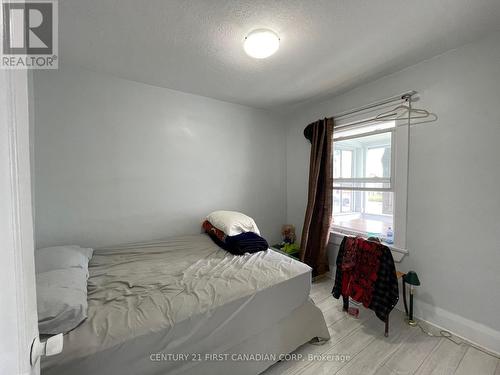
{"x": 185, "y": 306}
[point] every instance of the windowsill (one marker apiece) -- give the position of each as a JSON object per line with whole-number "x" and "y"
{"x": 397, "y": 253}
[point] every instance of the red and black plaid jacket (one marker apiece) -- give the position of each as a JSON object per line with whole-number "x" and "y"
{"x": 385, "y": 290}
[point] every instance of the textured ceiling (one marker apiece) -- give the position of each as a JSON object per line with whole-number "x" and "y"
{"x": 326, "y": 46}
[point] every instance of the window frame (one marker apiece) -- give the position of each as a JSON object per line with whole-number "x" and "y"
{"x": 381, "y": 180}
{"x": 398, "y": 182}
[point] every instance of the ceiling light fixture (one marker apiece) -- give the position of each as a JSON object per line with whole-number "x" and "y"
{"x": 261, "y": 43}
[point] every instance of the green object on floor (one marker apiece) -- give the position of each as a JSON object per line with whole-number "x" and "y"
{"x": 291, "y": 248}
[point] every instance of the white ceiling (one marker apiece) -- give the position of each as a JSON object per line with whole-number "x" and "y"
{"x": 326, "y": 46}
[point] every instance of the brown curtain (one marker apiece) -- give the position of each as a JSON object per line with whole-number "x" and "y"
{"x": 316, "y": 230}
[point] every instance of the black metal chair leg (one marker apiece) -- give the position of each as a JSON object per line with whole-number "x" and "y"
{"x": 386, "y": 333}
{"x": 346, "y": 303}
{"x": 404, "y": 296}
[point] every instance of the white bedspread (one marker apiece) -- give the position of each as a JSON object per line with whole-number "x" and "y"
{"x": 182, "y": 296}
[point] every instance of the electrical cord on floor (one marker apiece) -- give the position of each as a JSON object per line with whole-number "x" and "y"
{"x": 448, "y": 335}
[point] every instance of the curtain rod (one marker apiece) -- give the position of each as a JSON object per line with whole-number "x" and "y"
{"x": 402, "y": 96}
{"x": 394, "y": 98}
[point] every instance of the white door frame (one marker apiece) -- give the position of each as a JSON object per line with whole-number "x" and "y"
{"x": 18, "y": 313}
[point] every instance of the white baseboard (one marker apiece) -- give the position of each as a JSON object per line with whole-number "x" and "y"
{"x": 476, "y": 333}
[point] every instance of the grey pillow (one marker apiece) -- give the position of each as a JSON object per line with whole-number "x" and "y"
{"x": 61, "y": 299}
{"x": 62, "y": 257}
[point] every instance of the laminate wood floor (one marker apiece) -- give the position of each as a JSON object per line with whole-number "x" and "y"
{"x": 358, "y": 347}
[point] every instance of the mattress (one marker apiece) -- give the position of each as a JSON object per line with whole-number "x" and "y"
{"x": 162, "y": 307}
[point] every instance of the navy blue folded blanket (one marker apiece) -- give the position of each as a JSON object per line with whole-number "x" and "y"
{"x": 240, "y": 244}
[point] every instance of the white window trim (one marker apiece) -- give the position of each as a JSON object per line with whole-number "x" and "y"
{"x": 401, "y": 154}
{"x": 399, "y": 179}
{"x": 336, "y": 237}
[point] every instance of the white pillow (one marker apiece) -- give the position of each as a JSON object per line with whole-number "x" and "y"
{"x": 61, "y": 299}
{"x": 232, "y": 223}
{"x": 62, "y": 257}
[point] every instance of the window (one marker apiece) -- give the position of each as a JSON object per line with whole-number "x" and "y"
{"x": 365, "y": 182}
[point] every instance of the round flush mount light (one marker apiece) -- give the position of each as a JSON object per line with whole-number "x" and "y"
{"x": 261, "y": 43}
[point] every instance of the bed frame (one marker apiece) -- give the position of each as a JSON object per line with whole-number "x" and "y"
{"x": 304, "y": 324}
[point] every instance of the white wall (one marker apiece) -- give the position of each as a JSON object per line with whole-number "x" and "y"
{"x": 119, "y": 161}
{"x": 454, "y": 205}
